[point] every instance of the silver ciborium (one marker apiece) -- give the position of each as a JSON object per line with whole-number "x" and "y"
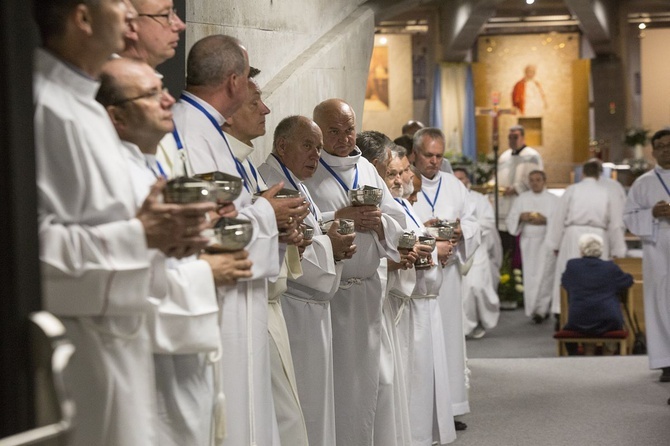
{"x": 346, "y": 226}
{"x": 307, "y": 232}
{"x": 185, "y": 190}
{"x": 424, "y": 262}
{"x": 228, "y": 187}
{"x": 407, "y": 241}
{"x": 231, "y": 234}
{"x": 365, "y": 196}
{"x": 442, "y": 230}
{"x": 284, "y": 193}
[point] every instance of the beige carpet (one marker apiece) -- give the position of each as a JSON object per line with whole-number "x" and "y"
{"x": 614, "y": 401}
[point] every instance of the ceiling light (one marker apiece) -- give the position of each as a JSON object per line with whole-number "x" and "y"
{"x": 383, "y": 40}
{"x": 530, "y": 2}
{"x": 642, "y": 26}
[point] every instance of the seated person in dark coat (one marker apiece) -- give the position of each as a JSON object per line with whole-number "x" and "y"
{"x": 593, "y": 286}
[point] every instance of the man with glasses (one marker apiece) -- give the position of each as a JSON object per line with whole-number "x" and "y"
{"x": 647, "y": 215}
{"x": 184, "y": 325}
{"x": 157, "y": 27}
{"x": 514, "y": 166}
{"x": 94, "y": 239}
{"x": 154, "y": 40}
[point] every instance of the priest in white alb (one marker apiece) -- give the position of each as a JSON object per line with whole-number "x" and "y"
{"x": 413, "y": 293}
{"x": 306, "y": 303}
{"x": 356, "y": 308}
{"x": 647, "y": 215}
{"x": 444, "y": 197}
{"x": 585, "y": 207}
{"x": 199, "y": 115}
{"x": 481, "y": 274}
{"x": 241, "y": 128}
{"x": 529, "y": 216}
{"x": 94, "y": 241}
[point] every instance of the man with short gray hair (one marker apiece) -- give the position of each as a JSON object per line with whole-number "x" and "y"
{"x": 444, "y": 197}
{"x": 217, "y": 85}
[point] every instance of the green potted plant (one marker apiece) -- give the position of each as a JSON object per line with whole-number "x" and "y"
{"x": 510, "y": 288}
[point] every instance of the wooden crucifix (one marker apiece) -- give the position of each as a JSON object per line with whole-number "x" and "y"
{"x": 495, "y": 113}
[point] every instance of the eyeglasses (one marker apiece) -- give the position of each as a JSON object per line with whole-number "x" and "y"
{"x": 170, "y": 17}
{"x": 155, "y": 95}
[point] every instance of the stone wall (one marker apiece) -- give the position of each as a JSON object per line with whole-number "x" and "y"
{"x": 306, "y": 51}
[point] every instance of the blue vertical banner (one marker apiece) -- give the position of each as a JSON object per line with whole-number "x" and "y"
{"x": 436, "y": 102}
{"x": 469, "y": 126}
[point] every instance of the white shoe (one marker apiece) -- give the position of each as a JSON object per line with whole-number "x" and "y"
{"x": 478, "y": 332}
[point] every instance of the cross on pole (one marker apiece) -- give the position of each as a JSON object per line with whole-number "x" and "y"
{"x": 495, "y": 113}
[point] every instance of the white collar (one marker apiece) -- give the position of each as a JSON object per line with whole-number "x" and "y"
{"x": 240, "y": 149}
{"x": 342, "y": 161}
{"x": 211, "y": 110}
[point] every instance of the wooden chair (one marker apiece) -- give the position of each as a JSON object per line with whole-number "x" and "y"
{"x": 633, "y": 266}
{"x": 565, "y": 336}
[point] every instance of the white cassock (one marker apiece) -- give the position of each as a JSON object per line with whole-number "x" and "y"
{"x": 243, "y": 317}
{"x": 172, "y": 156}
{"x": 584, "y": 208}
{"x": 290, "y": 420}
{"x": 94, "y": 258}
{"x": 413, "y": 293}
{"x": 306, "y": 307}
{"x": 184, "y": 330}
{"x": 451, "y": 200}
{"x": 481, "y": 304}
{"x": 356, "y": 308}
{"x": 655, "y": 234}
{"x": 513, "y": 170}
{"x": 618, "y": 197}
{"x": 537, "y": 258}
{"x": 392, "y": 379}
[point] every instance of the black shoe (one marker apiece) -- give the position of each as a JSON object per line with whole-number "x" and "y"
{"x": 665, "y": 376}
{"x": 460, "y": 426}
{"x": 538, "y": 319}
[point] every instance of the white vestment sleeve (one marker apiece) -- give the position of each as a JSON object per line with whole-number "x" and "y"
{"x": 556, "y": 224}
{"x": 514, "y": 227}
{"x": 614, "y": 232}
{"x": 318, "y": 265}
{"x": 264, "y": 247}
{"x": 639, "y": 219}
{"x": 94, "y": 270}
{"x": 471, "y": 231}
{"x": 185, "y": 319}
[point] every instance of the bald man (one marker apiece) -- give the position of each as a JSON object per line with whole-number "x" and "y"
{"x": 363, "y": 416}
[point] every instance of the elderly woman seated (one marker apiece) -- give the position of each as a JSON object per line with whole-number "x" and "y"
{"x": 593, "y": 287}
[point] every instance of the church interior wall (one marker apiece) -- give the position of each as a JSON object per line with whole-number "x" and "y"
{"x": 379, "y": 115}
{"x": 549, "y": 127}
{"x": 655, "y": 72}
{"x": 306, "y": 51}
